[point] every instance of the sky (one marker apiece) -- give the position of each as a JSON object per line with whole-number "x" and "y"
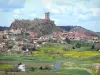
{"x": 85, "y": 13}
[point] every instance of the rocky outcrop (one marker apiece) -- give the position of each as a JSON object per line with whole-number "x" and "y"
{"x": 41, "y": 26}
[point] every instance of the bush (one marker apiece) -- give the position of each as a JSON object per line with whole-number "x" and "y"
{"x": 78, "y": 45}
{"x": 47, "y": 67}
{"x": 41, "y": 68}
{"x": 73, "y": 47}
{"x": 67, "y": 40}
{"x": 10, "y": 46}
{"x": 14, "y": 69}
{"x": 93, "y": 47}
{"x": 65, "y": 49}
{"x": 49, "y": 45}
{"x": 39, "y": 42}
{"x": 33, "y": 68}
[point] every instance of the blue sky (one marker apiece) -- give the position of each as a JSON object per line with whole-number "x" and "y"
{"x": 85, "y": 13}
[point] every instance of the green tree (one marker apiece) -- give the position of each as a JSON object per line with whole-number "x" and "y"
{"x": 67, "y": 40}
{"x": 78, "y": 45}
{"x": 93, "y": 47}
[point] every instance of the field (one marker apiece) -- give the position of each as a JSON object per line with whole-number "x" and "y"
{"x": 78, "y": 58}
{"x": 74, "y": 71}
{"x": 35, "y": 73}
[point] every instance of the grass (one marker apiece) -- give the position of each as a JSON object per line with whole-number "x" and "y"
{"x": 36, "y": 73}
{"x": 45, "y": 57}
{"x": 85, "y": 54}
{"x": 5, "y": 66}
{"x": 73, "y": 71}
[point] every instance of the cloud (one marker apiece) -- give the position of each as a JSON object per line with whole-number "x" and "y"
{"x": 95, "y": 11}
{"x": 64, "y": 12}
{"x": 18, "y": 11}
{"x": 9, "y": 5}
{"x": 94, "y": 3}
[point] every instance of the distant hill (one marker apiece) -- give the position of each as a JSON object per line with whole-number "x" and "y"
{"x": 79, "y": 29}
{"x": 3, "y": 28}
{"x": 66, "y": 28}
{"x": 98, "y": 33}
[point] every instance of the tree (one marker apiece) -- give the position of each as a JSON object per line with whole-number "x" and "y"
{"x": 73, "y": 47}
{"x": 78, "y": 45}
{"x": 93, "y": 47}
{"x": 10, "y": 46}
{"x": 67, "y": 40}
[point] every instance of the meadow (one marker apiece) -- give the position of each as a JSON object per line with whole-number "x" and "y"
{"x": 50, "y": 55}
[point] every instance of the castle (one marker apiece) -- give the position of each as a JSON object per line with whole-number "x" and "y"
{"x": 45, "y": 20}
{"x": 47, "y": 16}
{"x": 36, "y": 25}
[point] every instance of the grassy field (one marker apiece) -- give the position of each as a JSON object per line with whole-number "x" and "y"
{"x": 5, "y": 66}
{"x": 85, "y": 54}
{"x": 47, "y": 56}
{"x": 73, "y": 71}
{"x": 36, "y": 73}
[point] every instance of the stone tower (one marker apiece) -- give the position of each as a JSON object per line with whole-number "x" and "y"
{"x": 47, "y": 16}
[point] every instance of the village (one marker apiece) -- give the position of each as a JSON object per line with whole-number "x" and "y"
{"x": 49, "y": 37}
{"x": 23, "y": 43}
{"x": 56, "y": 46}
{"x": 47, "y": 52}
{"x": 20, "y": 36}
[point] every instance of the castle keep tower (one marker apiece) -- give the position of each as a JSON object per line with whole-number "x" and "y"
{"x": 47, "y": 16}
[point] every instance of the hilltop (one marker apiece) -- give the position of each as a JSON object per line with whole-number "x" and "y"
{"x": 41, "y": 26}
{"x": 47, "y": 26}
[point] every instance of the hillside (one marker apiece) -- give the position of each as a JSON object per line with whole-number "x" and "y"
{"x": 45, "y": 27}
{"x": 41, "y": 26}
{"x": 79, "y": 29}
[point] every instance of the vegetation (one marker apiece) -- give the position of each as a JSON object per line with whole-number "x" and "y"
{"x": 67, "y": 40}
{"x": 50, "y": 53}
{"x": 33, "y": 73}
{"x": 74, "y": 71}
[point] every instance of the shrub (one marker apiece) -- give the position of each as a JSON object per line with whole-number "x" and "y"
{"x": 65, "y": 49}
{"x": 73, "y": 47}
{"x": 14, "y": 69}
{"x": 10, "y": 46}
{"x": 47, "y": 67}
{"x": 39, "y": 42}
{"x": 67, "y": 40}
{"x": 41, "y": 68}
{"x": 78, "y": 45}
{"x": 93, "y": 47}
{"x": 33, "y": 68}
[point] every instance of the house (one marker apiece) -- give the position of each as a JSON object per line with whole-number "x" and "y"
{"x": 43, "y": 38}
{"x": 17, "y": 31}
{"x": 70, "y": 35}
